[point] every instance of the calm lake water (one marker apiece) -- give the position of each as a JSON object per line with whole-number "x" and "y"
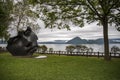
{"x": 61, "y": 47}
{"x": 96, "y": 47}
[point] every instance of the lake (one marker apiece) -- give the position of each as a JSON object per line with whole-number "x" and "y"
{"x": 61, "y": 47}
{"x": 96, "y": 47}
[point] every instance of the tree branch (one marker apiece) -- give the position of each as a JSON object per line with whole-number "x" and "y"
{"x": 90, "y": 5}
{"x": 117, "y": 2}
{"x": 101, "y": 4}
{"x": 66, "y": 3}
{"x": 73, "y": 16}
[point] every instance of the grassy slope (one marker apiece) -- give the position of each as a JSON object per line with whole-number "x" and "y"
{"x": 58, "y": 68}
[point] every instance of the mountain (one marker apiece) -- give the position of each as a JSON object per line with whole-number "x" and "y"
{"x": 116, "y": 40}
{"x": 97, "y": 41}
{"x": 77, "y": 40}
{"x": 60, "y": 41}
{"x": 54, "y": 42}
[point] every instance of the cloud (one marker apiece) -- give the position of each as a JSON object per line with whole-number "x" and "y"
{"x": 89, "y": 31}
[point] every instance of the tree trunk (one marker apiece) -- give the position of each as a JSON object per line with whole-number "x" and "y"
{"x": 106, "y": 40}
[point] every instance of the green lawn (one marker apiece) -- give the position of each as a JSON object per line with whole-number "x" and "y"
{"x": 56, "y": 67}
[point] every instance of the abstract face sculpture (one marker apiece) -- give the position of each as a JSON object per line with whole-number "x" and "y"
{"x": 24, "y": 44}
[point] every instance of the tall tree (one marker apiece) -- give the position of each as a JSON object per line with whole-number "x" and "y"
{"x": 61, "y": 13}
{"x": 23, "y": 15}
{"x": 16, "y": 15}
{"x": 5, "y": 9}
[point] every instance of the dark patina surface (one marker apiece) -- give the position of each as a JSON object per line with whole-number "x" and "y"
{"x": 24, "y": 44}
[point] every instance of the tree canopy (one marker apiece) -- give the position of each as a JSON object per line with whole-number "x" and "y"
{"x": 59, "y": 13}
{"x": 24, "y": 15}
{"x": 5, "y": 8}
{"x": 62, "y": 13}
{"x": 15, "y": 16}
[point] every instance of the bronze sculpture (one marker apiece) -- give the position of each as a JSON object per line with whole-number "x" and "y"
{"x": 24, "y": 44}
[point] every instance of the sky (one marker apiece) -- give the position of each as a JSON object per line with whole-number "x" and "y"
{"x": 89, "y": 31}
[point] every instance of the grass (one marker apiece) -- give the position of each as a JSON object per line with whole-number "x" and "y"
{"x": 56, "y": 67}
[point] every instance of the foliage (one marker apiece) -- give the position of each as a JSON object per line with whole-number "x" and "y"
{"x": 70, "y": 48}
{"x": 50, "y": 49}
{"x": 5, "y": 9}
{"x": 24, "y": 16}
{"x": 56, "y": 67}
{"x": 115, "y": 49}
{"x": 90, "y": 49}
{"x": 43, "y": 48}
{"x": 82, "y": 48}
{"x": 58, "y": 13}
{"x": 16, "y": 15}
{"x": 63, "y": 13}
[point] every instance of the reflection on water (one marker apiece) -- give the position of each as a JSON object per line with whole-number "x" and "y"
{"x": 61, "y": 47}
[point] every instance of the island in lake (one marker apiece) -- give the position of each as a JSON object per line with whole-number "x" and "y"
{"x": 78, "y": 40}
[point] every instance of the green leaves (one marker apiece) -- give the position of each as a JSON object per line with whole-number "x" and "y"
{"x": 78, "y": 11}
{"x": 5, "y": 9}
{"x": 24, "y": 14}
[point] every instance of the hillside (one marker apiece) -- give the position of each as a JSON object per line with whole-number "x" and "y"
{"x": 78, "y": 40}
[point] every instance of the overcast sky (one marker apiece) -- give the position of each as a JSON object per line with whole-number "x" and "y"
{"x": 89, "y": 31}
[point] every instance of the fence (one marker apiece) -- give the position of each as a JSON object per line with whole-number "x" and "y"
{"x": 87, "y": 54}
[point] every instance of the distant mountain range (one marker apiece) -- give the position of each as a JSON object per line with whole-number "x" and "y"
{"x": 78, "y": 40}
{"x": 54, "y": 42}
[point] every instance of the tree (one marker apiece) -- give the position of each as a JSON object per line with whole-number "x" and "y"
{"x": 50, "y": 49}
{"x": 70, "y": 48}
{"x": 43, "y": 48}
{"x": 23, "y": 16}
{"x": 5, "y": 9}
{"x": 84, "y": 48}
{"x": 16, "y": 15}
{"x": 115, "y": 49}
{"x": 90, "y": 49}
{"x": 78, "y": 48}
{"x": 61, "y": 13}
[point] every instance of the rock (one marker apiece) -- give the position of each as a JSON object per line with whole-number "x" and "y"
{"x": 41, "y": 57}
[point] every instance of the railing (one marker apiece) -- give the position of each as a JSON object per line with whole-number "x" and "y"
{"x": 87, "y": 54}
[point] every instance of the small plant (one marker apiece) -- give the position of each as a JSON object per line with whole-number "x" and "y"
{"x": 50, "y": 49}
{"x": 78, "y": 48}
{"x": 42, "y": 48}
{"x": 90, "y": 49}
{"x": 115, "y": 49}
{"x": 70, "y": 48}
